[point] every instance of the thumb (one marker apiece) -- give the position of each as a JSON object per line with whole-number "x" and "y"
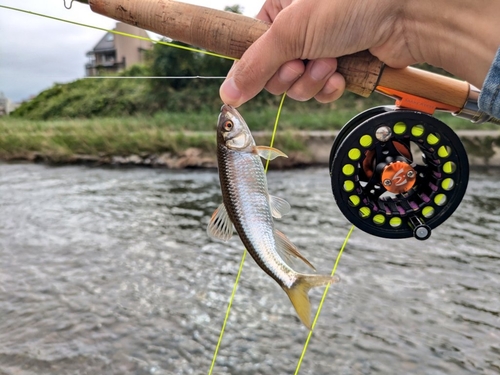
{"x": 259, "y": 63}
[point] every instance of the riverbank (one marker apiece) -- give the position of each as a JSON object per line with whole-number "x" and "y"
{"x": 304, "y": 148}
{"x": 187, "y": 139}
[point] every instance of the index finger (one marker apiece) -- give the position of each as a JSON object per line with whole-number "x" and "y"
{"x": 258, "y": 64}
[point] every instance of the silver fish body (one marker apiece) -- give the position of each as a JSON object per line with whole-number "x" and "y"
{"x": 246, "y": 199}
{"x": 248, "y": 206}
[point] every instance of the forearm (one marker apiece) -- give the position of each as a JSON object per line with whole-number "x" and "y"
{"x": 461, "y": 36}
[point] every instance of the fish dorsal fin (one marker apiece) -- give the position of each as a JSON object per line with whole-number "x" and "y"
{"x": 220, "y": 226}
{"x": 269, "y": 153}
{"x": 279, "y": 206}
{"x": 288, "y": 250}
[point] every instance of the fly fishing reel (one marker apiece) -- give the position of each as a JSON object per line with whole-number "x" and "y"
{"x": 398, "y": 173}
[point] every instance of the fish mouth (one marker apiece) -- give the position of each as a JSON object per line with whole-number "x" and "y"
{"x": 225, "y": 109}
{"x": 237, "y": 140}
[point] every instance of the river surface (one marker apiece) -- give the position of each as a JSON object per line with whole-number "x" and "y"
{"x": 110, "y": 271}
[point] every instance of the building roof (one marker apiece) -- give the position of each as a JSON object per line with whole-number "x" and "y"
{"x": 107, "y": 43}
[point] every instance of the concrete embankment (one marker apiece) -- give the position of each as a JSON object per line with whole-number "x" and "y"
{"x": 483, "y": 150}
{"x": 312, "y": 149}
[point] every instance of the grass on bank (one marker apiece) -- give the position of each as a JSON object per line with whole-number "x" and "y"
{"x": 162, "y": 132}
{"x": 59, "y": 140}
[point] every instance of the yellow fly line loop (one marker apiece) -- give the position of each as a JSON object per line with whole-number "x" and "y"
{"x": 306, "y": 344}
{"x": 118, "y": 33}
{"x": 235, "y": 286}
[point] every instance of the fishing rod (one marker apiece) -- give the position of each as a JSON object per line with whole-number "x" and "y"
{"x": 379, "y": 181}
{"x": 231, "y": 34}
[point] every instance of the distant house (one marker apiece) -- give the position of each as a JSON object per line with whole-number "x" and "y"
{"x": 115, "y": 52}
{"x": 6, "y": 105}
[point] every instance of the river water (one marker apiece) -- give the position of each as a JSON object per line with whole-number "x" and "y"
{"x": 110, "y": 271}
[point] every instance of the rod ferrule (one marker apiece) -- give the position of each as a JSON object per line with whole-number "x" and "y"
{"x": 471, "y": 111}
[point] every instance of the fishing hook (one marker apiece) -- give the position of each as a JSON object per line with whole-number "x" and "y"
{"x": 71, "y": 3}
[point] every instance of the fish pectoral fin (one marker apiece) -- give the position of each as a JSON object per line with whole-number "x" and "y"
{"x": 269, "y": 153}
{"x": 287, "y": 249}
{"x": 220, "y": 226}
{"x": 279, "y": 206}
{"x": 298, "y": 294}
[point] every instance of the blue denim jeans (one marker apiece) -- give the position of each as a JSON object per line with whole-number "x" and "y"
{"x": 489, "y": 99}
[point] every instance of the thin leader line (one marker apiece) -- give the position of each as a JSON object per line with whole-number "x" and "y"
{"x": 188, "y": 49}
{"x": 155, "y": 77}
{"x": 267, "y": 164}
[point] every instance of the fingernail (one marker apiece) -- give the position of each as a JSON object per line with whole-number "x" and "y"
{"x": 319, "y": 70}
{"x": 229, "y": 93}
{"x": 329, "y": 88}
{"x": 287, "y": 74}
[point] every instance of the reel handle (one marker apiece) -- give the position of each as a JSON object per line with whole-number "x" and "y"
{"x": 231, "y": 34}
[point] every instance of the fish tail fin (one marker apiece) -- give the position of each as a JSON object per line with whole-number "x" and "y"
{"x": 298, "y": 294}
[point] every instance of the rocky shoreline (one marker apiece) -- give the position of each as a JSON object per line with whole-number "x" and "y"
{"x": 483, "y": 149}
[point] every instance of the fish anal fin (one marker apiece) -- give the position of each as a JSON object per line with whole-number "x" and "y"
{"x": 298, "y": 294}
{"x": 220, "y": 226}
{"x": 279, "y": 206}
{"x": 288, "y": 249}
{"x": 269, "y": 153}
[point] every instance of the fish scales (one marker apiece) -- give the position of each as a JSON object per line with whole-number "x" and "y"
{"x": 242, "y": 177}
{"x": 248, "y": 207}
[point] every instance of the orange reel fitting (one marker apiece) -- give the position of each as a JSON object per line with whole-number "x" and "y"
{"x": 417, "y": 103}
{"x": 398, "y": 177}
{"x": 368, "y": 164}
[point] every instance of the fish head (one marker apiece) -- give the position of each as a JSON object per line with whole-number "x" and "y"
{"x": 233, "y": 131}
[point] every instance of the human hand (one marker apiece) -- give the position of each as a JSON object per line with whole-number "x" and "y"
{"x": 275, "y": 61}
{"x": 458, "y": 35}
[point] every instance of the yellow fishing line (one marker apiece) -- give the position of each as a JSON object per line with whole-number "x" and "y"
{"x": 226, "y": 318}
{"x": 119, "y": 33}
{"x": 235, "y": 286}
{"x": 275, "y": 126}
{"x": 306, "y": 344}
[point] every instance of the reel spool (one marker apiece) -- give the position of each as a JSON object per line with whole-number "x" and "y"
{"x": 398, "y": 173}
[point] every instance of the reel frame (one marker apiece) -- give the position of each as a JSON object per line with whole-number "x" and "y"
{"x": 381, "y": 187}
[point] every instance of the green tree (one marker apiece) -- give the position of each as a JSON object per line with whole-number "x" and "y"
{"x": 236, "y": 8}
{"x": 182, "y": 93}
{"x": 174, "y": 62}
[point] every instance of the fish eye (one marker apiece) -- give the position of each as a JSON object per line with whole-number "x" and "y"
{"x": 228, "y": 125}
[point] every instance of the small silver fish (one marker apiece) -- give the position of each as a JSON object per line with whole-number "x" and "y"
{"x": 248, "y": 206}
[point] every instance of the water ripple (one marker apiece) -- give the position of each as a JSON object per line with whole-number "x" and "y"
{"x": 111, "y": 271}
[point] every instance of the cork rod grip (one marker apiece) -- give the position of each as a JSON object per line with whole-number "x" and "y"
{"x": 231, "y": 34}
{"x": 225, "y": 33}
